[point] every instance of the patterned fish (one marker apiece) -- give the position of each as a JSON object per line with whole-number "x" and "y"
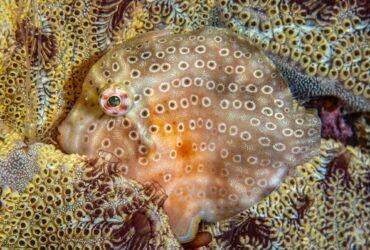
{"x": 204, "y": 114}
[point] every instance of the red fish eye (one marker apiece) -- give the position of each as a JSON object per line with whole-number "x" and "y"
{"x": 115, "y": 101}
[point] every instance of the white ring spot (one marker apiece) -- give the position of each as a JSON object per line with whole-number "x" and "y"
{"x": 233, "y": 87}
{"x": 224, "y": 52}
{"x": 279, "y": 147}
{"x": 287, "y": 132}
{"x": 224, "y": 104}
{"x": 212, "y": 65}
{"x": 249, "y": 181}
{"x": 164, "y": 87}
{"x": 210, "y": 85}
{"x": 255, "y": 121}
{"x": 184, "y": 50}
{"x": 160, "y": 54}
{"x": 198, "y": 81}
{"x": 267, "y": 89}
{"x": 249, "y": 105}
{"x": 237, "y": 104}
{"x": 239, "y": 69}
{"x": 200, "y": 49}
{"x": 183, "y": 65}
{"x": 206, "y": 102}
{"x": 199, "y": 64}
{"x": 132, "y": 59}
{"x": 264, "y": 141}
{"x": 252, "y": 160}
{"x": 258, "y": 74}
{"x": 245, "y": 136}
{"x": 251, "y": 88}
{"x": 267, "y": 111}
{"x": 270, "y": 126}
{"x": 279, "y": 116}
{"x": 155, "y": 67}
{"x": 186, "y": 82}
{"x": 221, "y": 127}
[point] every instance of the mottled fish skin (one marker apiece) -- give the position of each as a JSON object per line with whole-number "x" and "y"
{"x": 211, "y": 120}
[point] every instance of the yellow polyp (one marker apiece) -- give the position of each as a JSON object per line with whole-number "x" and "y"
{"x": 364, "y": 77}
{"x": 305, "y": 61}
{"x": 265, "y": 26}
{"x": 318, "y": 57}
{"x": 365, "y": 66}
{"x": 244, "y": 16}
{"x": 307, "y": 49}
{"x": 265, "y": 44}
{"x": 276, "y": 23}
{"x": 311, "y": 69}
{"x": 296, "y": 55}
{"x": 290, "y": 32}
{"x": 333, "y": 74}
{"x": 367, "y": 92}
{"x": 344, "y": 74}
{"x": 284, "y": 51}
{"x": 356, "y": 54}
{"x": 338, "y": 63}
{"x": 355, "y": 70}
{"x": 253, "y": 22}
{"x": 279, "y": 37}
{"x": 274, "y": 47}
{"x": 347, "y": 58}
{"x": 323, "y": 69}
{"x": 307, "y": 39}
{"x": 359, "y": 88}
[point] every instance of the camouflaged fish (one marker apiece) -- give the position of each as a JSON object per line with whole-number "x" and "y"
{"x": 204, "y": 114}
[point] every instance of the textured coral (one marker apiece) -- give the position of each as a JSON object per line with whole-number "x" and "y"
{"x": 47, "y": 46}
{"x": 323, "y": 207}
{"x": 204, "y": 114}
{"x": 76, "y": 204}
{"x": 320, "y": 48}
{"x": 362, "y": 128}
{"x": 333, "y": 123}
{"x": 48, "y": 52}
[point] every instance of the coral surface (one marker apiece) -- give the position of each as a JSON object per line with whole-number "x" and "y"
{"x": 46, "y": 50}
{"x": 321, "y": 47}
{"x": 84, "y": 204}
{"x": 74, "y": 203}
{"x": 324, "y": 207}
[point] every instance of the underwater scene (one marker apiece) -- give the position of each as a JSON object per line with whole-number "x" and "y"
{"x": 199, "y": 124}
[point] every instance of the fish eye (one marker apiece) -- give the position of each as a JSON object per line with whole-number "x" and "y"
{"x": 115, "y": 101}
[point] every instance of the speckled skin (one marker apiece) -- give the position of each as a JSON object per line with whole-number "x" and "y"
{"x": 71, "y": 42}
{"x": 210, "y": 119}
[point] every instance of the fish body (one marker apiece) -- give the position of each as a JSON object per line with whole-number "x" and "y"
{"x": 204, "y": 114}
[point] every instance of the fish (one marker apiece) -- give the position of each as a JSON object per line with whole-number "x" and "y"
{"x": 204, "y": 114}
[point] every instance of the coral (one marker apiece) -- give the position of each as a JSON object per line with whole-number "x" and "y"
{"x": 320, "y": 48}
{"x": 49, "y": 47}
{"x": 79, "y": 204}
{"x": 333, "y": 123}
{"x": 323, "y": 207}
{"x": 8, "y": 28}
{"x": 203, "y": 114}
{"x": 362, "y": 128}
